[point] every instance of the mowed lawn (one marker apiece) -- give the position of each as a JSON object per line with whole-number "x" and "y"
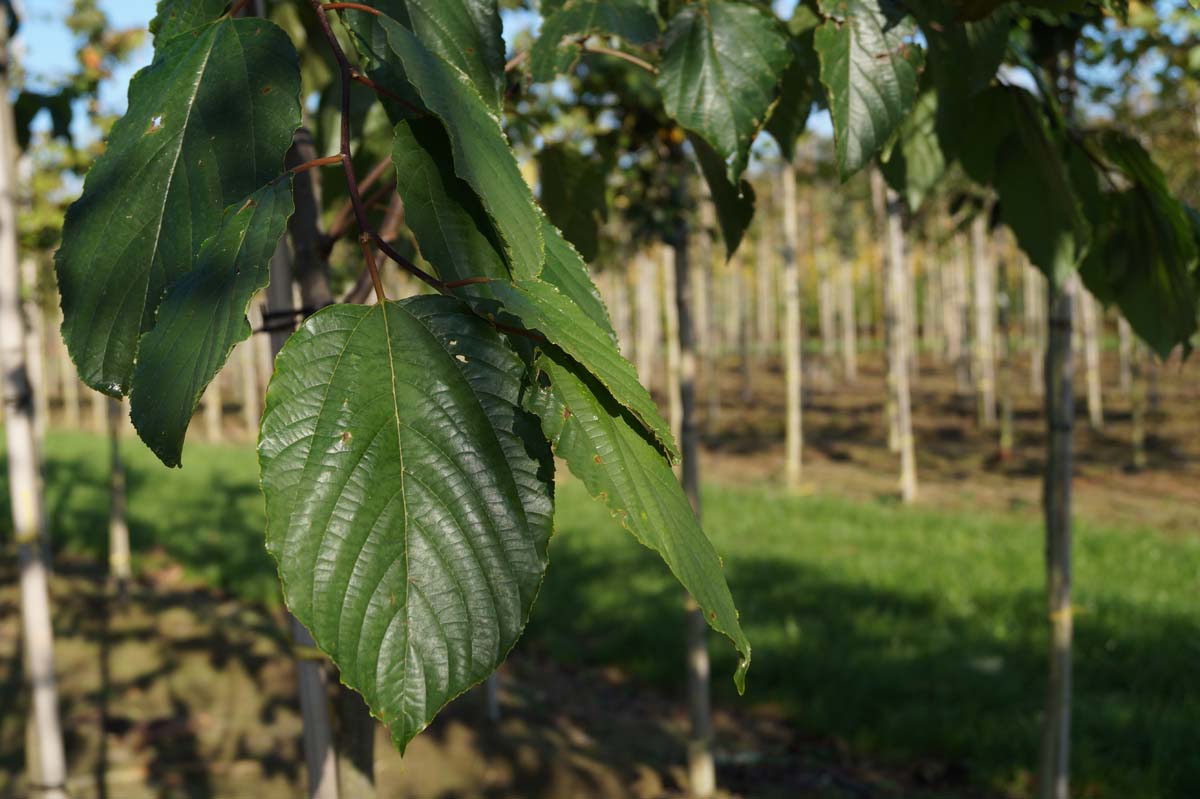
{"x": 907, "y": 634}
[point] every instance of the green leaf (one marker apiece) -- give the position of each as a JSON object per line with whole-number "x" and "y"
{"x": 722, "y": 62}
{"x": 917, "y": 163}
{"x": 1037, "y": 199}
{"x": 452, "y": 228}
{"x": 574, "y": 195}
{"x": 1145, "y": 255}
{"x": 173, "y": 17}
{"x": 203, "y": 316}
{"x": 482, "y": 156}
{"x": 409, "y": 499}
{"x": 465, "y": 33}
{"x": 455, "y": 234}
{"x": 542, "y": 308}
{"x": 29, "y": 104}
{"x": 566, "y": 271}
{"x": 556, "y": 51}
{"x": 606, "y": 449}
{"x": 870, "y": 68}
{"x": 209, "y": 122}
{"x": 734, "y": 204}
{"x": 797, "y": 93}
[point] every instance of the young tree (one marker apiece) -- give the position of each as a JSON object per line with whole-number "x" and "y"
{"x": 48, "y": 768}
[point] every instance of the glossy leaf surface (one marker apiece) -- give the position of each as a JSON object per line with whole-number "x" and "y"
{"x": 408, "y": 499}
{"x": 208, "y": 123}
{"x": 203, "y": 316}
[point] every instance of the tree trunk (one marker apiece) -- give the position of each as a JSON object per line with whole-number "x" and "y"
{"x": 119, "y": 566}
{"x": 931, "y": 338}
{"x": 251, "y": 404}
{"x": 962, "y": 315}
{"x": 649, "y": 332}
{"x": 1035, "y": 328}
{"x": 985, "y": 323}
{"x": 891, "y": 307}
{"x": 1090, "y": 314}
{"x": 48, "y": 767}
{"x": 846, "y": 312}
{"x": 706, "y": 318}
{"x": 1004, "y": 306}
{"x": 740, "y": 299}
{"x": 674, "y": 353}
{"x": 764, "y": 280}
{"x": 213, "y": 407}
{"x": 35, "y": 352}
{"x": 898, "y": 358}
{"x": 702, "y": 776}
{"x": 1125, "y": 354}
{"x": 793, "y": 352}
{"x": 1053, "y": 781}
{"x": 1137, "y": 397}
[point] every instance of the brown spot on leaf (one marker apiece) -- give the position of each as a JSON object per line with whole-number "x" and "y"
{"x": 346, "y": 440}
{"x": 266, "y": 90}
{"x": 598, "y": 459}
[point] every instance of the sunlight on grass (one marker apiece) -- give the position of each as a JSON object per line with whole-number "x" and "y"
{"x": 907, "y": 633}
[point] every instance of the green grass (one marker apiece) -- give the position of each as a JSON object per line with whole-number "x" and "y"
{"x": 910, "y": 634}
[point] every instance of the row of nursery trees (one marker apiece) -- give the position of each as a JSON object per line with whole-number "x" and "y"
{"x": 407, "y": 448}
{"x": 974, "y": 306}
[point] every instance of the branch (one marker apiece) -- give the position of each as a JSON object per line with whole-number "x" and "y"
{"x": 598, "y": 49}
{"x": 346, "y": 73}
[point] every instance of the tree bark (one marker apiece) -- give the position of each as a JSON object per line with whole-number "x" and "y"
{"x": 1125, "y": 354}
{"x": 1053, "y": 780}
{"x": 702, "y": 776}
{"x": 962, "y": 316}
{"x": 1137, "y": 397}
{"x": 846, "y": 313}
{"x": 793, "y": 352}
{"x": 764, "y": 304}
{"x": 119, "y": 554}
{"x": 35, "y": 353}
{"x": 674, "y": 351}
{"x": 891, "y": 307}
{"x": 706, "y": 318}
{"x": 1035, "y": 329}
{"x": 985, "y": 322}
{"x": 1090, "y": 314}
{"x": 649, "y": 331}
{"x": 898, "y": 358}
{"x": 1004, "y": 317}
{"x": 48, "y": 766}
{"x": 213, "y": 407}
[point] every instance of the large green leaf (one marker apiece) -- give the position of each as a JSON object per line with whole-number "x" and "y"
{"x": 542, "y": 308}
{"x": 916, "y": 164}
{"x": 556, "y": 49}
{"x": 452, "y": 228}
{"x": 734, "y": 203}
{"x": 1037, "y": 198}
{"x": 566, "y": 271}
{"x": 574, "y": 195}
{"x": 466, "y": 33}
{"x": 870, "y": 66}
{"x": 455, "y": 234}
{"x": 797, "y": 93}
{"x": 482, "y": 156}
{"x": 722, "y": 63}
{"x": 606, "y": 448}
{"x": 409, "y": 500}
{"x": 173, "y": 17}
{"x": 209, "y": 122}
{"x": 1145, "y": 255}
{"x": 203, "y": 316}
